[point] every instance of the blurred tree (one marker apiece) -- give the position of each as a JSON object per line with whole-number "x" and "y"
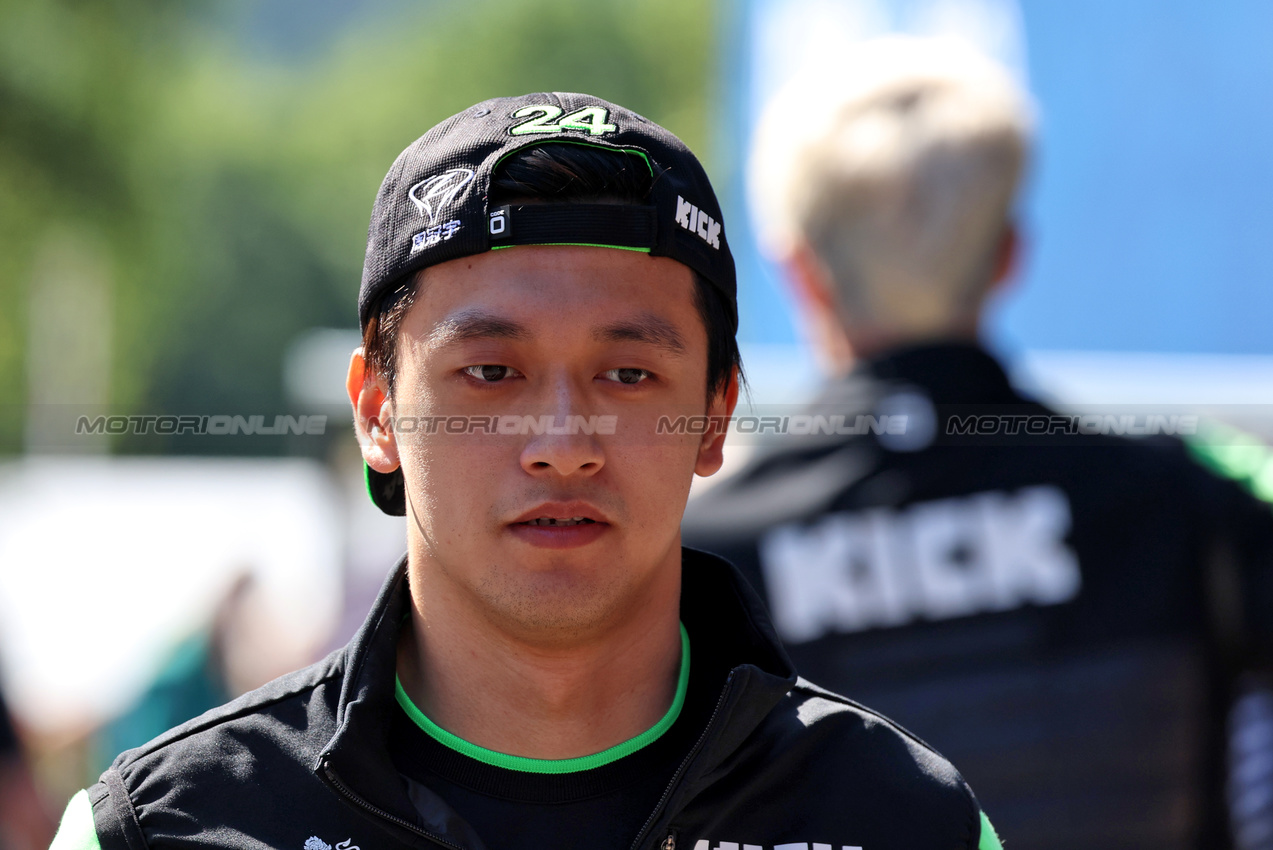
{"x": 233, "y": 188}
{"x": 75, "y": 78}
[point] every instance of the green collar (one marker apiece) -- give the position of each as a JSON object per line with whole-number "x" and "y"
{"x": 571, "y": 765}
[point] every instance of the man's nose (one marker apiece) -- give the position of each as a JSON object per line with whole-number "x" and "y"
{"x": 561, "y": 440}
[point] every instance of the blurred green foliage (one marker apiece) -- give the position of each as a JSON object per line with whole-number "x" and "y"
{"x": 230, "y": 188}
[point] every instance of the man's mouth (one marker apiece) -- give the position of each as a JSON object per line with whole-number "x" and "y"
{"x": 561, "y": 525}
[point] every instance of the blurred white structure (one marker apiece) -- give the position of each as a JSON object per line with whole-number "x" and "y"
{"x": 1234, "y": 389}
{"x": 1198, "y": 381}
{"x": 104, "y": 563}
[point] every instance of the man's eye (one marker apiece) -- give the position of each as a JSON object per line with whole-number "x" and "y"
{"x": 490, "y": 374}
{"x": 626, "y": 376}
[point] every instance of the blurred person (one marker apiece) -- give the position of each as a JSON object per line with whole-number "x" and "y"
{"x": 235, "y": 652}
{"x": 25, "y": 821}
{"x": 1063, "y": 614}
{"x": 546, "y": 666}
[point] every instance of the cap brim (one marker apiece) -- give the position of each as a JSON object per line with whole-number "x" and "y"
{"x": 386, "y": 490}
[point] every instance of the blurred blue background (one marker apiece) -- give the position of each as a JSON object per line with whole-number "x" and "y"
{"x": 1147, "y": 214}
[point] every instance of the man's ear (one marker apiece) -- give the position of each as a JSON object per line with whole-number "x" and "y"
{"x": 813, "y": 286}
{"x": 809, "y": 279}
{"x": 711, "y": 451}
{"x": 1007, "y": 257}
{"x": 373, "y": 415}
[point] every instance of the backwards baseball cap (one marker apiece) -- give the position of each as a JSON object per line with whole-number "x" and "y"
{"x": 433, "y": 205}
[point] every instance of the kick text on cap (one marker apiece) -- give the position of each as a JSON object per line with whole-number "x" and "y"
{"x": 697, "y": 221}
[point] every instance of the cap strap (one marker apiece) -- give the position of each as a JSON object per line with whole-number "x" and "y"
{"x": 607, "y": 225}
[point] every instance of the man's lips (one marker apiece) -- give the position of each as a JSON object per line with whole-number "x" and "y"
{"x": 548, "y": 513}
{"x": 560, "y": 525}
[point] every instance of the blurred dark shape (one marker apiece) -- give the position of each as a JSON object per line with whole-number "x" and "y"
{"x": 25, "y": 820}
{"x": 1061, "y": 611}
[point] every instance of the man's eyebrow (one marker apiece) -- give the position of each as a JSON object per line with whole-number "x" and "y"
{"x": 476, "y": 324}
{"x": 647, "y": 328}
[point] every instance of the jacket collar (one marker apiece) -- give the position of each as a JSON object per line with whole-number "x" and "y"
{"x": 947, "y": 372}
{"x": 357, "y": 756}
{"x": 723, "y": 614}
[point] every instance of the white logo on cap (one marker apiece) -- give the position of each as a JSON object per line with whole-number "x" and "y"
{"x": 431, "y": 195}
{"x": 698, "y": 221}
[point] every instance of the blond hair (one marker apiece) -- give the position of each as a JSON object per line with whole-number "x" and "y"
{"x": 898, "y": 168}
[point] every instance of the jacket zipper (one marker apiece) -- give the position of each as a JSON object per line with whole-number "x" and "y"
{"x": 381, "y": 813}
{"x": 669, "y": 843}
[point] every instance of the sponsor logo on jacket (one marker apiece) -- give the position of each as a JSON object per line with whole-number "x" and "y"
{"x": 316, "y": 843}
{"x": 847, "y": 572}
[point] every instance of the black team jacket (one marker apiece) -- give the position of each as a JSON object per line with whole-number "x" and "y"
{"x": 780, "y": 762}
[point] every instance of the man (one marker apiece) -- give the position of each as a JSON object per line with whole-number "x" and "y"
{"x": 545, "y": 276}
{"x": 1064, "y": 614}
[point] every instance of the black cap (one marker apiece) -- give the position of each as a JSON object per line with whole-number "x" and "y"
{"x": 433, "y": 204}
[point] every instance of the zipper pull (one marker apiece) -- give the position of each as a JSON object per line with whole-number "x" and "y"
{"x": 669, "y": 843}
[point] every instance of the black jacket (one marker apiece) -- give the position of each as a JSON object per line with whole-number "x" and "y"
{"x": 302, "y": 763}
{"x": 1064, "y": 615}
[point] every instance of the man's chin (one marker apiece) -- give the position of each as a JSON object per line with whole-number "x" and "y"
{"x": 554, "y": 609}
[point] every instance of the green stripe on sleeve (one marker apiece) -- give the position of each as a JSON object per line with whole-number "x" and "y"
{"x": 989, "y": 838}
{"x": 1235, "y": 454}
{"x": 77, "y": 831}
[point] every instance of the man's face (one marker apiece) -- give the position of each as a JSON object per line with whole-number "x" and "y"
{"x": 579, "y": 335}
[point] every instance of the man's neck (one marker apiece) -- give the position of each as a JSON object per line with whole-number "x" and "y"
{"x": 565, "y": 698}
